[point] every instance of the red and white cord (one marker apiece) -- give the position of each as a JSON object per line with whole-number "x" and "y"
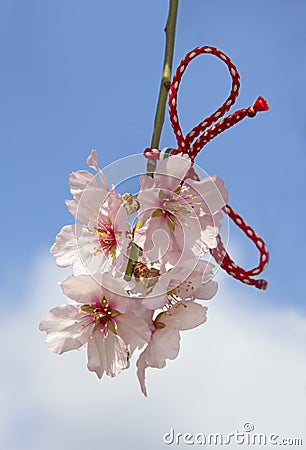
{"x": 198, "y": 137}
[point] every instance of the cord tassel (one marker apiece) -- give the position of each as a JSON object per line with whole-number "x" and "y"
{"x": 259, "y": 105}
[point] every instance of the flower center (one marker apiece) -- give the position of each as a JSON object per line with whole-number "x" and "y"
{"x": 185, "y": 289}
{"x": 107, "y": 238}
{"x": 179, "y": 201}
{"x": 102, "y": 317}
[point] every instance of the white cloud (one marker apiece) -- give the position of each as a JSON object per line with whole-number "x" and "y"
{"x": 243, "y": 365}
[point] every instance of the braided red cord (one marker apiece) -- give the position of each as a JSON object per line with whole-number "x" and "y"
{"x": 250, "y": 233}
{"x": 259, "y": 105}
{"x": 184, "y": 143}
{"x": 202, "y": 138}
{"x": 225, "y": 261}
{"x": 223, "y": 258}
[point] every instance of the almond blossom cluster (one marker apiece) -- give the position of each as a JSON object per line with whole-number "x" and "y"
{"x": 140, "y": 266}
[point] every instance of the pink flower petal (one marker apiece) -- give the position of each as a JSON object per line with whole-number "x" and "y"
{"x": 82, "y": 289}
{"x": 149, "y": 201}
{"x": 211, "y": 192}
{"x": 134, "y": 331}
{"x": 164, "y": 344}
{"x": 107, "y": 355}
{"x": 184, "y": 315}
{"x": 92, "y": 162}
{"x": 206, "y": 291}
{"x": 116, "y": 292}
{"x": 141, "y": 374}
{"x": 117, "y": 212}
{"x": 64, "y": 329}
{"x": 73, "y": 245}
{"x": 81, "y": 180}
{"x": 89, "y": 205}
{"x": 171, "y": 172}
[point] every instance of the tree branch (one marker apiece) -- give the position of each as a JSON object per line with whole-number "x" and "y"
{"x": 160, "y": 111}
{"x": 165, "y": 81}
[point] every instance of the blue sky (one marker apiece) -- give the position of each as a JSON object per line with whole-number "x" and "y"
{"x": 78, "y": 75}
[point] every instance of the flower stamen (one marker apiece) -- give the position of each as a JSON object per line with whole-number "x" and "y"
{"x": 101, "y": 316}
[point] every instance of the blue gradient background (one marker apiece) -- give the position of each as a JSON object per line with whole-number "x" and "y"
{"x": 77, "y": 75}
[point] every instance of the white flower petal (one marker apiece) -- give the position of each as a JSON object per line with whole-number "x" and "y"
{"x": 206, "y": 291}
{"x": 209, "y": 238}
{"x": 81, "y": 180}
{"x": 134, "y": 331}
{"x": 64, "y": 329}
{"x": 171, "y": 172}
{"x": 141, "y": 370}
{"x": 211, "y": 193}
{"x": 116, "y": 212}
{"x": 164, "y": 344}
{"x": 158, "y": 241}
{"x": 92, "y": 162}
{"x": 116, "y": 292}
{"x": 73, "y": 246}
{"x": 89, "y": 205}
{"x": 82, "y": 289}
{"x": 184, "y": 315}
{"x": 72, "y": 206}
{"x": 65, "y": 248}
{"x": 107, "y": 355}
{"x": 158, "y": 297}
{"x": 146, "y": 182}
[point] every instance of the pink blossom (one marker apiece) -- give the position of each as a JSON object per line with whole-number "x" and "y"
{"x": 100, "y": 241}
{"x": 82, "y": 179}
{"x": 187, "y": 211}
{"x": 178, "y": 222}
{"x": 191, "y": 279}
{"x": 165, "y": 340}
{"x": 99, "y": 319}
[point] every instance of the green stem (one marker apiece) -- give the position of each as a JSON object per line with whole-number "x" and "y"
{"x": 160, "y": 112}
{"x": 165, "y": 81}
{"x": 133, "y": 258}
